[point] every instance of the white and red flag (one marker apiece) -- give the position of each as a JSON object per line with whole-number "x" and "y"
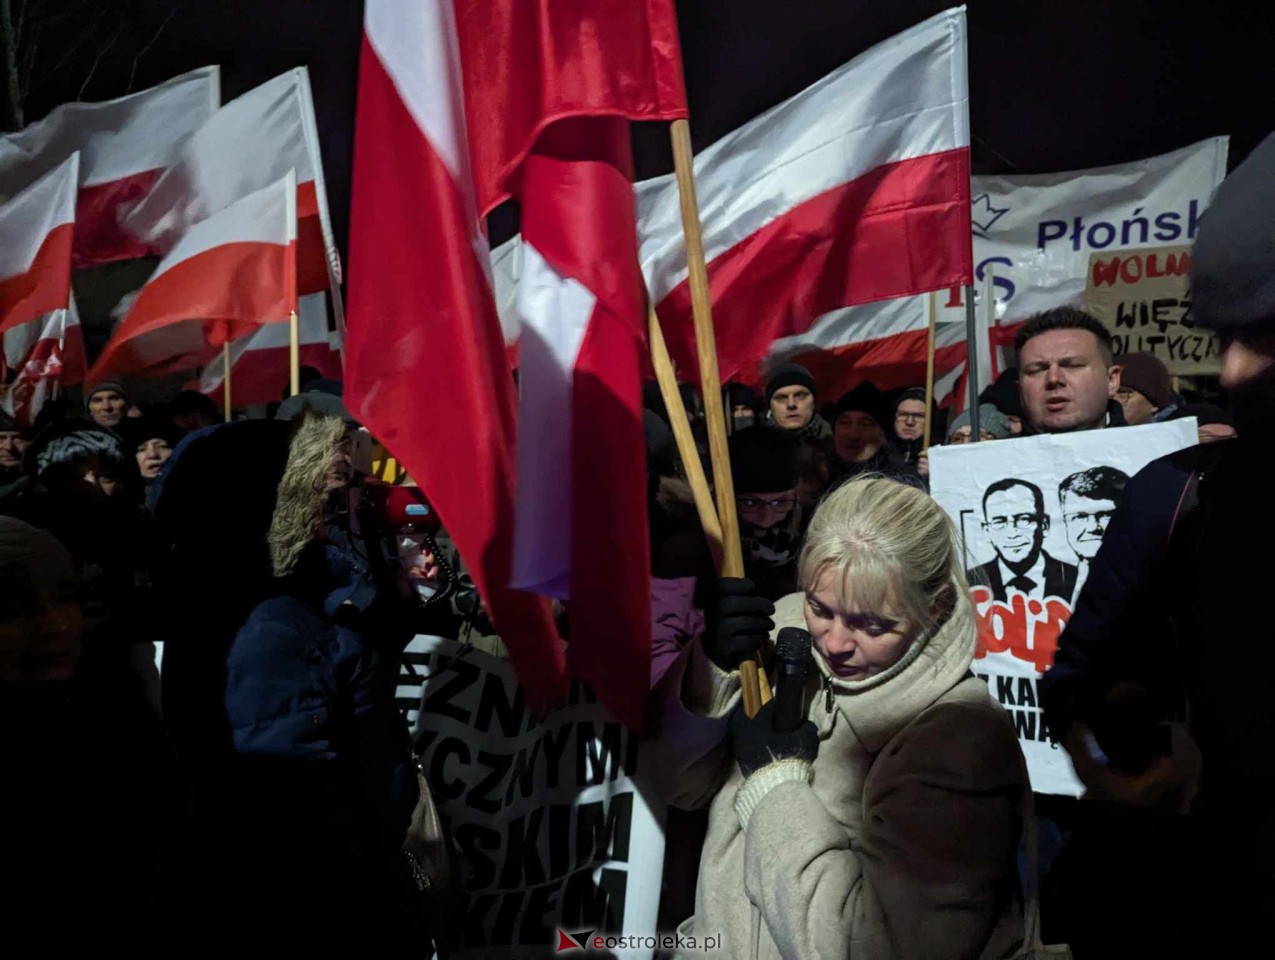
{"x": 459, "y": 108}
{"x": 248, "y": 144}
{"x": 37, "y": 229}
{"x": 39, "y": 330}
{"x": 225, "y": 277}
{"x": 260, "y": 362}
{"x": 855, "y": 190}
{"x": 46, "y": 355}
{"x": 124, "y": 145}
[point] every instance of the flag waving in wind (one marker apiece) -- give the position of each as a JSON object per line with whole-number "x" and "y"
{"x": 459, "y": 108}
{"x": 124, "y": 145}
{"x": 855, "y": 190}
{"x": 226, "y": 276}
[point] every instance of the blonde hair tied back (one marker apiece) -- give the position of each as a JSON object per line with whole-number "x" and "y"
{"x": 894, "y": 547}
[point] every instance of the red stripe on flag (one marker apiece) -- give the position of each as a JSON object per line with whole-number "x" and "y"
{"x": 261, "y": 375}
{"x": 99, "y": 238}
{"x": 888, "y": 362}
{"x": 312, "y": 250}
{"x": 425, "y": 360}
{"x": 902, "y": 229}
{"x": 532, "y": 63}
{"x": 231, "y": 288}
{"x": 46, "y": 284}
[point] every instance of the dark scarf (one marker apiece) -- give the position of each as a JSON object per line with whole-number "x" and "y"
{"x": 777, "y": 546}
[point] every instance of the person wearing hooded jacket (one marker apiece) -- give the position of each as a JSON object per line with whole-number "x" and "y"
{"x": 887, "y": 824}
{"x": 321, "y": 782}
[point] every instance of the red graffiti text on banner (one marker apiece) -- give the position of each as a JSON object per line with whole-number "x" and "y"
{"x": 1025, "y": 629}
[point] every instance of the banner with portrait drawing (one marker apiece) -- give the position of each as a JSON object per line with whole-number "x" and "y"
{"x": 1032, "y": 512}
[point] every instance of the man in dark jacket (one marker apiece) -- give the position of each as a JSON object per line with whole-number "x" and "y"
{"x": 1177, "y": 605}
{"x": 858, "y": 446}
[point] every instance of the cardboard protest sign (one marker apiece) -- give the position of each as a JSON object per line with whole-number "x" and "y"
{"x": 1032, "y": 512}
{"x": 1143, "y": 297}
{"x": 557, "y": 836}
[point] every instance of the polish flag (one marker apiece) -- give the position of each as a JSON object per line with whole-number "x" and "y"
{"x": 245, "y": 146}
{"x": 124, "y": 146}
{"x": 855, "y": 190}
{"x": 226, "y": 276}
{"x": 46, "y": 354}
{"x": 489, "y": 116}
{"x": 425, "y": 366}
{"x": 37, "y": 230}
{"x": 260, "y": 362}
{"x": 883, "y": 343}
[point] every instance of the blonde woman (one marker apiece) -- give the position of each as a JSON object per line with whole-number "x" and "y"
{"x": 887, "y": 825}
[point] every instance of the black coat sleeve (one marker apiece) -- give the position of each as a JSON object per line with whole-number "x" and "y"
{"x": 1119, "y": 627}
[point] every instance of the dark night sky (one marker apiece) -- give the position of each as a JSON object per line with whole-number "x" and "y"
{"x": 1055, "y": 85}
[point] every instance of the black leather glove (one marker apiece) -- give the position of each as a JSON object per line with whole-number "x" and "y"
{"x": 737, "y": 622}
{"x": 758, "y": 744}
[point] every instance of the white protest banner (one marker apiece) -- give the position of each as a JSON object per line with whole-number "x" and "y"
{"x": 1144, "y": 298}
{"x": 1034, "y": 234}
{"x": 1032, "y": 512}
{"x": 557, "y": 836}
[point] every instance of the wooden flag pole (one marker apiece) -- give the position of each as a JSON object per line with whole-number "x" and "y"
{"x": 294, "y": 352}
{"x": 756, "y": 688}
{"x": 929, "y": 368}
{"x": 681, "y": 424}
{"x": 225, "y": 379}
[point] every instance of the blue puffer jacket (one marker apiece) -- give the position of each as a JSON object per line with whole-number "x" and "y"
{"x": 322, "y": 781}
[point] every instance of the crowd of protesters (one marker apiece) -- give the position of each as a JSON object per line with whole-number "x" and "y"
{"x": 266, "y": 782}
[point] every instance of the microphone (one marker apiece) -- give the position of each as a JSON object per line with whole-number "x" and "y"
{"x": 792, "y": 650}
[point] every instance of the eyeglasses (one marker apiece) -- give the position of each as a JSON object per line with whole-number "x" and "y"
{"x": 910, "y": 417}
{"x": 780, "y": 505}
{"x": 1024, "y": 521}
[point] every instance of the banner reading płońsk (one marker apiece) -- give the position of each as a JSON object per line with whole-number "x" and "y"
{"x": 1035, "y": 233}
{"x": 555, "y": 831}
{"x": 1032, "y": 513}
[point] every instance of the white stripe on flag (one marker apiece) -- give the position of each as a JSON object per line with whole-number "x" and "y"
{"x": 555, "y": 313}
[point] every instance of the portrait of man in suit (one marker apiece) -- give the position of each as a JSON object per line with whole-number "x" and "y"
{"x": 1088, "y": 500}
{"x": 1015, "y": 521}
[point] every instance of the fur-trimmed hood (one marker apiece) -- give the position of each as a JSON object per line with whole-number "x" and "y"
{"x": 297, "y": 520}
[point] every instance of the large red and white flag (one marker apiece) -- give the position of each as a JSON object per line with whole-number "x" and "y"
{"x": 555, "y": 135}
{"x": 855, "y": 190}
{"x": 260, "y": 362}
{"x": 124, "y": 146}
{"x": 226, "y": 276}
{"x": 245, "y": 146}
{"x": 547, "y": 130}
{"x": 37, "y": 230}
{"x": 45, "y": 355}
{"x": 425, "y": 367}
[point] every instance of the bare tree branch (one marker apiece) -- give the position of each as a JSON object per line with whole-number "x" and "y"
{"x": 13, "y": 118}
{"x": 71, "y": 49}
{"x": 98, "y": 59}
{"x": 132, "y": 73}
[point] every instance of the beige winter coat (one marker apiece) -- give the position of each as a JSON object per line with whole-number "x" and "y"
{"x": 899, "y": 841}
